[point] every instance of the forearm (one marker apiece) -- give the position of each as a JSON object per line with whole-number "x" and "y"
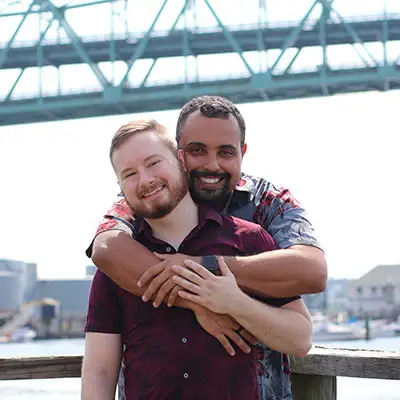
{"x": 97, "y": 384}
{"x": 281, "y": 273}
{"x": 281, "y": 329}
{"x": 125, "y": 260}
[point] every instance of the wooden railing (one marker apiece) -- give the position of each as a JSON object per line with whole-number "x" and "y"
{"x": 314, "y": 376}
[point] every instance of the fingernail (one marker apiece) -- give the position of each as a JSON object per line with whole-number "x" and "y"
{"x": 144, "y": 298}
{"x": 139, "y": 284}
{"x": 155, "y": 305}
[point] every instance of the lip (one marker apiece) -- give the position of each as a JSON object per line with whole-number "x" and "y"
{"x": 210, "y": 185}
{"x": 153, "y": 193}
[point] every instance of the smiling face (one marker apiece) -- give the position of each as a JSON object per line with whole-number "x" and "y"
{"x": 149, "y": 174}
{"x": 212, "y": 153}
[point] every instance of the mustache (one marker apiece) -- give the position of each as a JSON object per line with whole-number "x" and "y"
{"x": 202, "y": 174}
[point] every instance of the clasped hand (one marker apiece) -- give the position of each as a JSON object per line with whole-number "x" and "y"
{"x": 177, "y": 275}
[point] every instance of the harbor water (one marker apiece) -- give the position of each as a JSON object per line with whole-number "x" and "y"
{"x": 69, "y": 388}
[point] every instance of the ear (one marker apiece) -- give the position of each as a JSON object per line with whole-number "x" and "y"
{"x": 244, "y": 149}
{"x": 181, "y": 158}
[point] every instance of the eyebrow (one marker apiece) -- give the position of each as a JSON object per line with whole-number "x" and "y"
{"x": 145, "y": 160}
{"x": 152, "y": 156}
{"x": 200, "y": 144}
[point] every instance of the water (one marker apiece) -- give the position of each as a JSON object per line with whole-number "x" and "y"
{"x": 69, "y": 388}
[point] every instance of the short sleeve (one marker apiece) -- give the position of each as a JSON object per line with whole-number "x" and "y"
{"x": 281, "y": 215}
{"x": 118, "y": 217}
{"x": 104, "y": 310}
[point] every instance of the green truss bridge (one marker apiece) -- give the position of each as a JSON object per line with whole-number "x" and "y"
{"x": 62, "y": 59}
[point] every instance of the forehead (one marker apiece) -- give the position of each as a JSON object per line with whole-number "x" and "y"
{"x": 212, "y": 132}
{"x": 138, "y": 148}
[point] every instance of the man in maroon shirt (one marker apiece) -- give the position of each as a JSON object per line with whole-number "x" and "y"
{"x": 167, "y": 355}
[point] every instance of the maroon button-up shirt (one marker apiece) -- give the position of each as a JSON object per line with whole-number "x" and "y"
{"x": 168, "y": 356}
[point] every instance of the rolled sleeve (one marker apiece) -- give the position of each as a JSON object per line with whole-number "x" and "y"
{"x": 280, "y": 214}
{"x": 118, "y": 217}
{"x": 104, "y": 310}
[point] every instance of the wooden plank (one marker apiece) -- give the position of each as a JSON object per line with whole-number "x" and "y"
{"x": 40, "y": 367}
{"x": 374, "y": 364}
{"x": 320, "y": 361}
{"x": 314, "y": 387}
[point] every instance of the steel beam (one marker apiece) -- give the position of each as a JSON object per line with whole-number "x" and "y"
{"x": 173, "y": 96}
{"x": 199, "y": 43}
{"x": 263, "y": 80}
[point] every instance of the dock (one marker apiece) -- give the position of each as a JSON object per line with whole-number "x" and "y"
{"x": 314, "y": 376}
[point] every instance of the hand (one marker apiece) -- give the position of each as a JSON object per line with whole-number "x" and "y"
{"x": 223, "y": 327}
{"x": 217, "y": 293}
{"x": 158, "y": 278}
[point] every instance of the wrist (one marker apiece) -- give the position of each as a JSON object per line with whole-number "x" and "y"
{"x": 196, "y": 259}
{"x": 238, "y": 304}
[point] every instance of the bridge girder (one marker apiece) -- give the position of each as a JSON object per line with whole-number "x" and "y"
{"x": 259, "y": 76}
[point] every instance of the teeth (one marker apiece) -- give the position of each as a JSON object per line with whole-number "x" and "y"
{"x": 210, "y": 180}
{"x": 153, "y": 192}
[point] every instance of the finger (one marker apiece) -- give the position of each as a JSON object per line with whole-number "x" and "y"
{"x": 248, "y": 337}
{"x": 226, "y": 345}
{"x": 154, "y": 286}
{"x": 223, "y": 267}
{"x": 191, "y": 297}
{"x": 189, "y": 275}
{"x": 237, "y": 339}
{"x": 165, "y": 289}
{"x": 151, "y": 273}
{"x": 186, "y": 284}
{"x": 199, "y": 269}
{"x": 160, "y": 256}
{"x": 173, "y": 296}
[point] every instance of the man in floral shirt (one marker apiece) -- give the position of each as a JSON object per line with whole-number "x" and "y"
{"x": 206, "y": 129}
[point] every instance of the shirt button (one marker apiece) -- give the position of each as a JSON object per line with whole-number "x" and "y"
{"x": 186, "y": 375}
{"x": 184, "y": 340}
{"x": 168, "y": 249}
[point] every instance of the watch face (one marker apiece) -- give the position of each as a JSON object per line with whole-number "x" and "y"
{"x": 211, "y": 263}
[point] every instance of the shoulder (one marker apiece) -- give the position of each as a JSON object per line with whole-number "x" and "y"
{"x": 266, "y": 191}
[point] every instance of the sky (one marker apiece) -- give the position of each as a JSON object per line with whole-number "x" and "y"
{"x": 337, "y": 155}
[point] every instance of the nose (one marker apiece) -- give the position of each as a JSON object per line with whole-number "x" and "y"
{"x": 145, "y": 179}
{"x": 212, "y": 163}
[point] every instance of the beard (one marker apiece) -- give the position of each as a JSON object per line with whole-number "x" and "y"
{"x": 161, "y": 208}
{"x": 204, "y": 196}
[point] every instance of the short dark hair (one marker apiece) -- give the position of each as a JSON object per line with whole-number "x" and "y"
{"x": 211, "y": 107}
{"x": 139, "y": 126}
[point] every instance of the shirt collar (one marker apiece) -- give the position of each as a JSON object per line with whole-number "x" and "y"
{"x": 205, "y": 214}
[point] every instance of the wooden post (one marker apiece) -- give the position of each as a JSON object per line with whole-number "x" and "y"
{"x": 313, "y": 387}
{"x": 367, "y": 328}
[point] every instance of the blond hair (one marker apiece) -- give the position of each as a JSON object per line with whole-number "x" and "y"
{"x": 132, "y": 128}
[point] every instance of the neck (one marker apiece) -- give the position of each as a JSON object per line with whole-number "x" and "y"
{"x": 174, "y": 227}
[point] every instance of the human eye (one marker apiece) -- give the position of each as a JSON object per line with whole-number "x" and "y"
{"x": 153, "y": 163}
{"x": 197, "y": 150}
{"x": 129, "y": 174}
{"x": 227, "y": 153}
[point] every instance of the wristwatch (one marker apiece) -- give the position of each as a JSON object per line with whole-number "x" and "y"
{"x": 211, "y": 263}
